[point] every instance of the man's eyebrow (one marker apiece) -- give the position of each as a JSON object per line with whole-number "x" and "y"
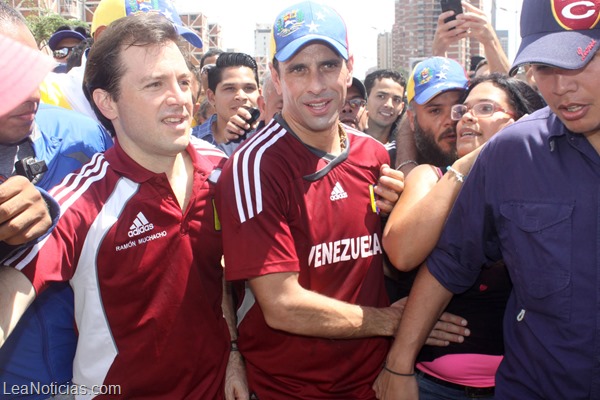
{"x": 152, "y": 77}
{"x": 295, "y": 65}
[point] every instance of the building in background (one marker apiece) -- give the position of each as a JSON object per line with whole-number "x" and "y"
{"x": 503, "y": 36}
{"x": 262, "y": 47}
{"x": 209, "y": 33}
{"x": 83, "y": 10}
{"x": 384, "y": 51}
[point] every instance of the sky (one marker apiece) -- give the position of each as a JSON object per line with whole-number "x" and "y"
{"x": 364, "y": 19}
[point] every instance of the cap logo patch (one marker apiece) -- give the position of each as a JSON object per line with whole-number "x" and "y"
{"x": 586, "y": 52}
{"x": 141, "y": 6}
{"x": 424, "y": 77}
{"x": 576, "y": 15}
{"x": 289, "y": 23}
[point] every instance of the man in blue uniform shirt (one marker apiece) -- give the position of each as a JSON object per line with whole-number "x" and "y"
{"x": 531, "y": 199}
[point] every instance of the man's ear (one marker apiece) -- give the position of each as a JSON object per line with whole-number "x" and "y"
{"x": 401, "y": 108}
{"x": 350, "y": 65}
{"x": 411, "y": 118}
{"x": 210, "y": 95}
{"x": 105, "y": 104}
{"x": 275, "y": 78}
{"x": 99, "y": 31}
{"x": 262, "y": 105}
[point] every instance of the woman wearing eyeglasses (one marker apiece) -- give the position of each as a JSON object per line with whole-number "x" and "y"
{"x": 465, "y": 370}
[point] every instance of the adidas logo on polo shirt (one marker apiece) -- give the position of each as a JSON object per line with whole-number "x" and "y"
{"x": 338, "y": 193}
{"x": 140, "y": 225}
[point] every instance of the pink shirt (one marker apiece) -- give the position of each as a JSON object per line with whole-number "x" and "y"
{"x": 476, "y": 370}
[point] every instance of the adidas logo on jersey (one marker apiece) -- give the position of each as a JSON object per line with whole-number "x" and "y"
{"x": 140, "y": 225}
{"x": 338, "y": 193}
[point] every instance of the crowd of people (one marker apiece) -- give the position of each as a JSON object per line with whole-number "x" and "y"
{"x": 173, "y": 228}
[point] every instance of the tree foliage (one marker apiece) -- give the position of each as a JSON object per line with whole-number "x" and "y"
{"x": 45, "y": 23}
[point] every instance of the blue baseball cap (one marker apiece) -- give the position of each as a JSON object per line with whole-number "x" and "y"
{"x": 433, "y": 76}
{"x": 57, "y": 36}
{"x": 559, "y": 33}
{"x": 308, "y": 22}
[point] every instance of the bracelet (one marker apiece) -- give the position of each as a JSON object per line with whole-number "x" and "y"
{"x": 405, "y": 163}
{"x": 396, "y": 373}
{"x": 459, "y": 177}
{"x": 234, "y": 346}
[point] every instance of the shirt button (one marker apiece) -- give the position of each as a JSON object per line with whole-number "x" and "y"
{"x": 521, "y": 315}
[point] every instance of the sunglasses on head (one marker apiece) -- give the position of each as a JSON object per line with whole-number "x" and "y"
{"x": 62, "y": 52}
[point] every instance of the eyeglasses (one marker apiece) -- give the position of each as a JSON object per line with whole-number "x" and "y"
{"x": 206, "y": 68}
{"x": 356, "y": 103}
{"x": 62, "y": 52}
{"x": 479, "y": 110}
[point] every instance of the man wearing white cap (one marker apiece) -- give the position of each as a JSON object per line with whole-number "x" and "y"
{"x": 531, "y": 199}
{"x": 302, "y": 226}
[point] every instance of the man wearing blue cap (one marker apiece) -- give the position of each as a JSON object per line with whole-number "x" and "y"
{"x": 62, "y": 42}
{"x": 531, "y": 199}
{"x": 302, "y": 229}
{"x": 434, "y": 86}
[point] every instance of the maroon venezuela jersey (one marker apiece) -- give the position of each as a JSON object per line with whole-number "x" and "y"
{"x": 147, "y": 277}
{"x": 286, "y": 208}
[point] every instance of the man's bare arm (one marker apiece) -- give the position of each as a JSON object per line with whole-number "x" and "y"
{"x": 236, "y": 384}
{"x": 427, "y": 299}
{"x": 16, "y": 294}
{"x": 289, "y": 307}
{"x": 406, "y": 149}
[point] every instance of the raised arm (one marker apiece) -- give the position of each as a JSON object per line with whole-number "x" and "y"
{"x": 472, "y": 23}
{"x": 446, "y": 33}
{"x": 16, "y": 294}
{"x": 480, "y": 28}
{"x": 416, "y": 222}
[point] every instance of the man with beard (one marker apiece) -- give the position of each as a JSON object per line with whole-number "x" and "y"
{"x": 434, "y": 86}
{"x": 427, "y": 135}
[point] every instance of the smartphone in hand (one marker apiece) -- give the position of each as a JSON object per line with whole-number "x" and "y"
{"x": 254, "y": 116}
{"x": 454, "y": 5}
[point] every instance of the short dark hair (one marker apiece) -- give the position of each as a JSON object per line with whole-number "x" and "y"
{"x": 209, "y": 53}
{"x": 227, "y": 60}
{"x": 523, "y": 99}
{"x": 383, "y": 74}
{"x": 104, "y": 68}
